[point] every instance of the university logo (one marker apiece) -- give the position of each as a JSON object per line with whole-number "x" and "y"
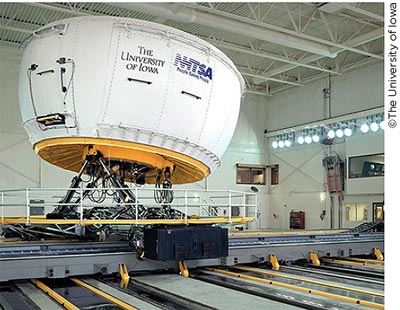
{"x": 192, "y": 66}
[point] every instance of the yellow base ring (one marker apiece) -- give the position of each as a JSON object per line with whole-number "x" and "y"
{"x": 68, "y": 153}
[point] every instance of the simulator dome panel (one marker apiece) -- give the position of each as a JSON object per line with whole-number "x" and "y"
{"x": 143, "y": 95}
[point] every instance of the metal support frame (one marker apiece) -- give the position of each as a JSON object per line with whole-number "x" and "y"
{"x": 314, "y": 258}
{"x": 183, "y": 269}
{"x": 378, "y": 254}
{"x": 274, "y": 261}
{"x": 124, "y": 274}
{"x": 65, "y": 260}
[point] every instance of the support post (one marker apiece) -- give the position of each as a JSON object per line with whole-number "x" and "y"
{"x": 2, "y": 206}
{"x": 378, "y": 254}
{"x": 230, "y": 206}
{"x": 81, "y": 206}
{"x": 184, "y": 269}
{"x": 136, "y": 206}
{"x": 123, "y": 272}
{"x": 244, "y": 205}
{"x": 186, "y": 206}
{"x": 314, "y": 258}
{"x": 28, "y": 210}
{"x": 274, "y": 261}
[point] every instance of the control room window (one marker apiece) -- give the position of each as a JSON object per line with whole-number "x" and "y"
{"x": 356, "y": 212}
{"x": 367, "y": 166}
{"x": 250, "y": 174}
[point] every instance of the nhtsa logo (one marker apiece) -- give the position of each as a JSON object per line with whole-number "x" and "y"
{"x": 193, "y": 68}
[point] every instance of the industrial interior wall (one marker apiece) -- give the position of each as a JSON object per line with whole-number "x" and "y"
{"x": 20, "y": 167}
{"x": 301, "y": 174}
{"x": 350, "y": 92}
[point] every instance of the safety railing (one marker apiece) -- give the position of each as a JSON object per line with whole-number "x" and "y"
{"x": 30, "y": 205}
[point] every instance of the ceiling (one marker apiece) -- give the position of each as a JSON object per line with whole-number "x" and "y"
{"x": 275, "y": 46}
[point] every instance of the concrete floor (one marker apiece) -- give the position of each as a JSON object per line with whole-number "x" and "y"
{"x": 210, "y": 294}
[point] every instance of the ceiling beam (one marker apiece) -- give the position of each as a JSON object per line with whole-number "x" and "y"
{"x": 268, "y": 78}
{"x": 365, "y": 38}
{"x": 287, "y": 31}
{"x": 363, "y": 12}
{"x": 248, "y": 91}
{"x": 244, "y": 28}
{"x": 263, "y": 54}
{"x": 16, "y": 29}
{"x": 320, "y": 76}
{"x": 58, "y": 9}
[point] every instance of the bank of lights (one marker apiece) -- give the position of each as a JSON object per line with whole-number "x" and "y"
{"x": 334, "y": 132}
{"x": 283, "y": 141}
{"x": 373, "y": 123}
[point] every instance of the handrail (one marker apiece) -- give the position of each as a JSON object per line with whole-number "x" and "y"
{"x": 188, "y": 201}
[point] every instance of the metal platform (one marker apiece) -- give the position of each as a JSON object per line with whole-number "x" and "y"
{"x": 24, "y": 260}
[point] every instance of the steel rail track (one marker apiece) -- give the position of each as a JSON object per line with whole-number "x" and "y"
{"x": 351, "y": 271}
{"x": 11, "y": 298}
{"x": 252, "y": 289}
{"x": 297, "y": 279}
{"x": 75, "y": 294}
{"x": 149, "y": 293}
{"x": 302, "y": 289}
{"x": 326, "y": 275}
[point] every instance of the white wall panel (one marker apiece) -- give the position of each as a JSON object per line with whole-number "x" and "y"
{"x": 351, "y": 92}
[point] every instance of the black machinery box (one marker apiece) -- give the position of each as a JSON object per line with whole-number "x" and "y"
{"x": 185, "y": 242}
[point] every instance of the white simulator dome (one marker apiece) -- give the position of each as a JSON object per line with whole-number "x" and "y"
{"x": 137, "y": 92}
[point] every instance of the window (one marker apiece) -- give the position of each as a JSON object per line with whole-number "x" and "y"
{"x": 378, "y": 211}
{"x": 367, "y": 166}
{"x": 274, "y": 174}
{"x": 356, "y": 212}
{"x": 249, "y": 174}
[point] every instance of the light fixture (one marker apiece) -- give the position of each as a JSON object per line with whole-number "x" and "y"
{"x": 374, "y": 127}
{"x": 339, "y": 133}
{"x": 364, "y": 128}
{"x": 328, "y": 132}
{"x": 331, "y": 134}
{"x": 315, "y": 138}
{"x": 348, "y": 132}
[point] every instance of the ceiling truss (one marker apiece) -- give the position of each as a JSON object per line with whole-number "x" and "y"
{"x": 275, "y": 46}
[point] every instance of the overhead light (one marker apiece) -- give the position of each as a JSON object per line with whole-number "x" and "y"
{"x": 308, "y": 139}
{"x": 300, "y": 140}
{"x": 315, "y": 138}
{"x": 364, "y": 128}
{"x": 348, "y": 132}
{"x": 382, "y": 125}
{"x": 275, "y": 144}
{"x": 339, "y": 133}
{"x": 374, "y": 127}
{"x": 288, "y": 143}
{"x": 281, "y": 144}
{"x": 331, "y": 134}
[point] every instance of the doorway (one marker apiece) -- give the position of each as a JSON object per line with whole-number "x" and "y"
{"x": 378, "y": 212}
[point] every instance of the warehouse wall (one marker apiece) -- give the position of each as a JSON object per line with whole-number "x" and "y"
{"x": 351, "y": 92}
{"x": 302, "y": 179}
